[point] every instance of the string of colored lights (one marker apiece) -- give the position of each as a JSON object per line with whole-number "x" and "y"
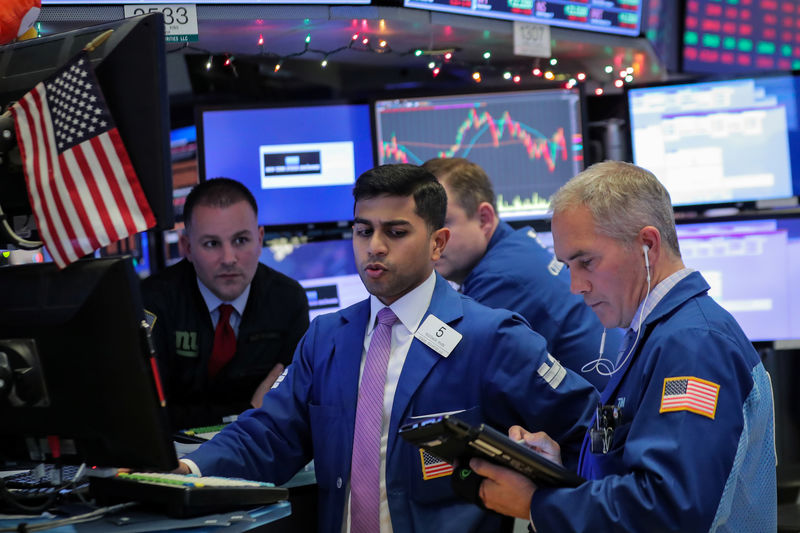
{"x": 437, "y": 60}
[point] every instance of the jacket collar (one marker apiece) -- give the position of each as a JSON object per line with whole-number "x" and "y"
{"x": 689, "y": 287}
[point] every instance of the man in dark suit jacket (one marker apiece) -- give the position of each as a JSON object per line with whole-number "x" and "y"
{"x": 222, "y": 243}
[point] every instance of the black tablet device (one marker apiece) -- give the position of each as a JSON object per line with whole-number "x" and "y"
{"x": 454, "y": 440}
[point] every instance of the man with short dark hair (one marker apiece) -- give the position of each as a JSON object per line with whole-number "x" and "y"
{"x": 362, "y": 372}
{"x": 510, "y": 269}
{"x": 224, "y": 325}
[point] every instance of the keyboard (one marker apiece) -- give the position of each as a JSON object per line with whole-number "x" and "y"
{"x": 45, "y": 475}
{"x": 180, "y": 496}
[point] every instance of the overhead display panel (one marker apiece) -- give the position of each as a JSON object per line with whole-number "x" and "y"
{"x": 741, "y": 37}
{"x": 216, "y": 2}
{"x": 610, "y": 16}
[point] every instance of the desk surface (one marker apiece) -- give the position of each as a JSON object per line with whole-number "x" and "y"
{"x": 134, "y": 521}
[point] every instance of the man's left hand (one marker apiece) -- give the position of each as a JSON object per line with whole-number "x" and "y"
{"x": 266, "y": 385}
{"x": 504, "y": 490}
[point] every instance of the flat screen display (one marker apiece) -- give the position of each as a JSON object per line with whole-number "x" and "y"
{"x": 326, "y": 269}
{"x": 217, "y": 2}
{"x": 722, "y": 141}
{"x": 752, "y": 267}
{"x": 613, "y": 16}
{"x": 528, "y": 142}
{"x": 299, "y": 162}
{"x": 741, "y": 37}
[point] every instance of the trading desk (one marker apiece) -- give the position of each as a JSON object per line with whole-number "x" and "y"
{"x": 265, "y": 519}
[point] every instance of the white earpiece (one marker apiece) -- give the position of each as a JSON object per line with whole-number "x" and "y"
{"x": 646, "y": 249}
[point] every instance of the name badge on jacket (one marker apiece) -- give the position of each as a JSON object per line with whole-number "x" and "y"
{"x": 438, "y": 336}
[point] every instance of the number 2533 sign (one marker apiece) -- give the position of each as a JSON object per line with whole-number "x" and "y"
{"x": 180, "y": 20}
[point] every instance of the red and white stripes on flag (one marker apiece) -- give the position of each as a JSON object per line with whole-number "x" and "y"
{"x": 690, "y": 394}
{"x": 433, "y": 467}
{"x": 81, "y": 185}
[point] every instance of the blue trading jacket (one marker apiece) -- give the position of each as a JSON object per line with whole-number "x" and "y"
{"x": 498, "y": 374}
{"x": 519, "y": 274}
{"x": 677, "y": 470}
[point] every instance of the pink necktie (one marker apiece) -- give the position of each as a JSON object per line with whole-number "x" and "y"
{"x": 365, "y": 468}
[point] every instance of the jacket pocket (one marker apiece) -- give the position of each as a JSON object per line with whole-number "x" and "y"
{"x": 330, "y": 445}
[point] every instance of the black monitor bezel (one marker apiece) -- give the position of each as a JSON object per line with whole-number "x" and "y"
{"x": 96, "y": 364}
{"x": 131, "y": 69}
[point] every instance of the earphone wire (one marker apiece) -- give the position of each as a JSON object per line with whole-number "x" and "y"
{"x": 606, "y": 367}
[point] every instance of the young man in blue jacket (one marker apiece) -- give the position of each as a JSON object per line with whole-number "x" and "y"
{"x": 510, "y": 269}
{"x": 489, "y": 367}
{"x": 684, "y": 438}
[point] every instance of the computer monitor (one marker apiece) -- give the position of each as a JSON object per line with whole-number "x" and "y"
{"x": 299, "y": 161}
{"x": 74, "y": 346}
{"x": 740, "y": 37}
{"x": 724, "y": 141}
{"x": 131, "y": 70}
{"x": 752, "y": 267}
{"x": 528, "y": 142}
{"x": 326, "y": 269}
{"x": 611, "y": 16}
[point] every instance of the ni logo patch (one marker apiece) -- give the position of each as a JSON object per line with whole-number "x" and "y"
{"x": 186, "y": 343}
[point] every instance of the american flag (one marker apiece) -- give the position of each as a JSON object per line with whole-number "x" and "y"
{"x": 433, "y": 467}
{"x": 690, "y": 394}
{"x": 82, "y": 187}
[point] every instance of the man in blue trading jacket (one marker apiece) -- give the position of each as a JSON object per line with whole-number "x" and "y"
{"x": 489, "y": 367}
{"x": 509, "y": 269}
{"x": 683, "y": 440}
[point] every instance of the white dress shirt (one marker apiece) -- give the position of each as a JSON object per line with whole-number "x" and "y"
{"x": 213, "y": 303}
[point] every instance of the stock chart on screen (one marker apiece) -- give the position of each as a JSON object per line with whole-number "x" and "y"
{"x": 529, "y": 143}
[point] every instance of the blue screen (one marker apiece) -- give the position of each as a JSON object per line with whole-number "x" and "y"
{"x": 722, "y": 141}
{"x": 326, "y": 270}
{"x": 299, "y": 162}
{"x": 752, "y": 267}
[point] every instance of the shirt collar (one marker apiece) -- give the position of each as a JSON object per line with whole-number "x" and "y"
{"x": 657, "y": 294}
{"x": 212, "y": 301}
{"x": 410, "y": 308}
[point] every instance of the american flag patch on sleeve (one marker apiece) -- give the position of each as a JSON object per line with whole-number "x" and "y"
{"x": 690, "y": 394}
{"x": 433, "y": 467}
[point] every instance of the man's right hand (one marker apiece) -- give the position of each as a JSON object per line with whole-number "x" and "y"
{"x": 183, "y": 468}
{"x": 539, "y": 442}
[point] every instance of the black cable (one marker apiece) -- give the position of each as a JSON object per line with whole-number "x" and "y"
{"x": 77, "y": 519}
{"x": 16, "y": 500}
